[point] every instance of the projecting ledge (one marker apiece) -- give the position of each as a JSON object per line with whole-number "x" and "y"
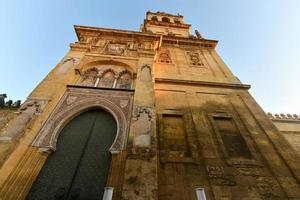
{"x": 203, "y": 83}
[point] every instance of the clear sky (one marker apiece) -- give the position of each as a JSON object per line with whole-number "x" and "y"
{"x": 258, "y": 39}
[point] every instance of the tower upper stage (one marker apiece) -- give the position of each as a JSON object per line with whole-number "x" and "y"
{"x": 165, "y": 24}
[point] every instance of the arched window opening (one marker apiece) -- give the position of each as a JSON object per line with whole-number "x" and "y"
{"x": 89, "y": 77}
{"x": 177, "y": 21}
{"x": 154, "y": 18}
{"x": 124, "y": 81}
{"x": 165, "y": 19}
{"x": 107, "y": 80}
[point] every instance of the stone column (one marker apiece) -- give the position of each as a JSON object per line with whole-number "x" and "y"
{"x": 140, "y": 180}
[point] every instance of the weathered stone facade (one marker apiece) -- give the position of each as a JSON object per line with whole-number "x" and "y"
{"x": 184, "y": 120}
{"x": 289, "y": 127}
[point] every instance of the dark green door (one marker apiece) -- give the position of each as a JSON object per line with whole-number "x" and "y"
{"x": 78, "y": 169}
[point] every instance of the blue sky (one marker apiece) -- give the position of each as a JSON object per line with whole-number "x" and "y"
{"x": 259, "y": 40}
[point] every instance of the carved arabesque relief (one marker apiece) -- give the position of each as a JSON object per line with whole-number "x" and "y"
{"x": 78, "y": 100}
{"x": 217, "y": 176}
{"x": 268, "y": 188}
{"x": 164, "y": 57}
{"x": 116, "y": 49}
{"x": 194, "y": 58}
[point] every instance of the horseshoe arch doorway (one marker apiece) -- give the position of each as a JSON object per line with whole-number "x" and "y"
{"x": 79, "y": 168}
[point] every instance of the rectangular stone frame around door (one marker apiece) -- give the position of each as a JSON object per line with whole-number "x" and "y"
{"x": 19, "y": 182}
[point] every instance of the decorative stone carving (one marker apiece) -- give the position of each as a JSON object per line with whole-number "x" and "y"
{"x": 107, "y": 76}
{"x": 142, "y": 127}
{"x": 26, "y": 113}
{"x": 148, "y": 45}
{"x": 71, "y": 100}
{"x": 164, "y": 56}
{"x": 248, "y": 171}
{"x": 268, "y": 188}
{"x": 146, "y": 73}
{"x": 217, "y": 176}
{"x": 194, "y": 59}
{"x": 116, "y": 49}
{"x": 86, "y": 98}
{"x": 124, "y": 103}
{"x": 215, "y": 170}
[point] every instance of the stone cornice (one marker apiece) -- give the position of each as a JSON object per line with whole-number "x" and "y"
{"x": 163, "y": 14}
{"x": 99, "y": 88}
{"x": 159, "y": 23}
{"x": 190, "y": 41}
{"x": 107, "y": 31}
{"x": 202, "y": 83}
{"x": 97, "y": 32}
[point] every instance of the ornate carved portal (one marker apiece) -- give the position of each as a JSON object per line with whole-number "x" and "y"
{"x": 80, "y": 99}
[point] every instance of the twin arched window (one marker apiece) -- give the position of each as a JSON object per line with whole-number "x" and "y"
{"x": 154, "y": 18}
{"x": 165, "y": 19}
{"x": 107, "y": 79}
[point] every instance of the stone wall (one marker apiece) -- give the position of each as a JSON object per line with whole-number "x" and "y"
{"x": 6, "y": 147}
{"x": 188, "y": 122}
{"x": 289, "y": 127}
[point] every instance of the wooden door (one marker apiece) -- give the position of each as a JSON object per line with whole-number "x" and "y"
{"x": 79, "y": 168}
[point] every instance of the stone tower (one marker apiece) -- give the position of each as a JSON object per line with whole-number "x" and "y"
{"x": 154, "y": 114}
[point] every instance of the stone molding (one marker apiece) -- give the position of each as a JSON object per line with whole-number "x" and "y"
{"x": 77, "y": 100}
{"x": 204, "y": 83}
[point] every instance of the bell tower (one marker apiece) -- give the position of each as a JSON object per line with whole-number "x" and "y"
{"x": 165, "y": 24}
{"x": 153, "y": 114}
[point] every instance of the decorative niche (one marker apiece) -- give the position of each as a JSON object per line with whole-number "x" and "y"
{"x": 232, "y": 143}
{"x": 164, "y": 57}
{"x": 116, "y": 49}
{"x": 175, "y": 134}
{"x": 194, "y": 59}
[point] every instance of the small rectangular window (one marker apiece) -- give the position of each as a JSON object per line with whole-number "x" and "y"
{"x": 200, "y": 194}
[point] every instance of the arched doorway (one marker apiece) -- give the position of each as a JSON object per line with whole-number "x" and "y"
{"x": 79, "y": 168}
